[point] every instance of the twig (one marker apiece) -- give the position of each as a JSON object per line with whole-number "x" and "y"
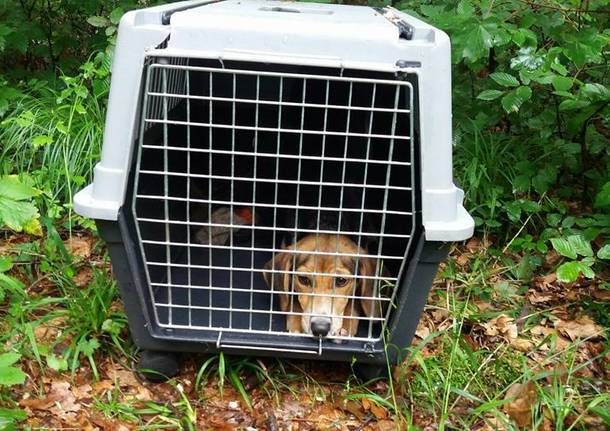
{"x": 562, "y": 9}
{"x": 271, "y": 421}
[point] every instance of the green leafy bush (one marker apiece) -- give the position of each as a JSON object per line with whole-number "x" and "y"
{"x": 17, "y": 212}
{"x": 55, "y": 134}
{"x": 532, "y": 121}
{"x": 9, "y": 374}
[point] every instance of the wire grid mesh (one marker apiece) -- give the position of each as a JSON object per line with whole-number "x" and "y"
{"x": 238, "y": 170}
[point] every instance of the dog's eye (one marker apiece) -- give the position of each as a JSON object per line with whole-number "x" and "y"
{"x": 304, "y": 280}
{"x": 341, "y": 281}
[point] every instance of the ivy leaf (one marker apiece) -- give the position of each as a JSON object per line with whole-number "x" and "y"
{"x": 490, "y": 94}
{"x": 604, "y": 252}
{"x": 525, "y": 37}
{"x": 572, "y": 246}
{"x": 505, "y": 79}
{"x": 33, "y": 227}
{"x": 559, "y": 68}
{"x": 602, "y": 200}
{"x": 570, "y": 271}
{"x": 543, "y": 179}
{"x": 98, "y": 21}
{"x": 584, "y": 47}
{"x": 465, "y": 8}
{"x": 8, "y": 417}
{"x": 513, "y": 210}
{"x": 10, "y": 375}
{"x": 553, "y": 219}
{"x": 562, "y": 83}
{"x": 581, "y": 245}
{"x": 12, "y": 188}
{"x": 596, "y": 92}
{"x": 17, "y": 215}
{"x": 57, "y": 363}
{"x": 528, "y": 59}
{"x": 512, "y": 101}
{"x": 115, "y": 15}
{"x": 477, "y": 43}
{"x": 88, "y": 347}
{"x": 571, "y": 105}
{"x": 41, "y": 140}
{"x": 112, "y": 327}
{"x": 8, "y": 359}
{"x": 563, "y": 247}
{"x": 6, "y": 263}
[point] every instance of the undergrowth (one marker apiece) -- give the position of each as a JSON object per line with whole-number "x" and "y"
{"x": 531, "y": 109}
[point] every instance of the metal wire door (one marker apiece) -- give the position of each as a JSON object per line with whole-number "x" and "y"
{"x": 236, "y": 166}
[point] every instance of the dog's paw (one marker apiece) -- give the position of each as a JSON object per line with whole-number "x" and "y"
{"x": 342, "y": 333}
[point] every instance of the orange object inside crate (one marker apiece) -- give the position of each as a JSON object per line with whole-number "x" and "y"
{"x": 245, "y": 213}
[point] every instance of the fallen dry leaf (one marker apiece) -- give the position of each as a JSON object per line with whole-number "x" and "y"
{"x": 439, "y": 314}
{"x": 536, "y": 297}
{"x": 102, "y": 386}
{"x": 501, "y": 325}
{"x": 78, "y": 246}
{"x": 601, "y": 294}
{"x": 366, "y": 404}
{"x": 551, "y": 259}
{"x": 48, "y": 331}
{"x": 521, "y": 398}
{"x": 582, "y": 327}
{"x": 123, "y": 377}
{"x": 462, "y": 260}
{"x": 483, "y": 306}
{"x": 379, "y": 411}
{"x": 388, "y": 425}
{"x": 352, "y": 407}
{"x": 60, "y": 401}
{"x": 473, "y": 245}
{"x": 522, "y": 344}
{"x": 83, "y": 277}
{"x": 83, "y": 391}
{"x": 422, "y": 330}
{"x": 66, "y": 402}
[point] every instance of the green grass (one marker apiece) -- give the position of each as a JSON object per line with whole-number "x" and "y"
{"x": 446, "y": 380}
{"x": 84, "y": 315}
{"x": 55, "y": 136}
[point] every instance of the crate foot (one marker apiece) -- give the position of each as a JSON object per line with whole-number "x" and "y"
{"x": 158, "y": 367}
{"x": 368, "y": 372}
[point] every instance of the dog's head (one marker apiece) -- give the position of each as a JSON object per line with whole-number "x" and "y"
{"x": 321, "y": 273}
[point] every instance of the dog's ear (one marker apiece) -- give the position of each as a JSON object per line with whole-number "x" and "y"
{"x": 281, "y": 281}
{"x": 371, "y": 307}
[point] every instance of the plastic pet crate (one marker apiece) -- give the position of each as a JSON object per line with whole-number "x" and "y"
{"x": 273, "y": 165}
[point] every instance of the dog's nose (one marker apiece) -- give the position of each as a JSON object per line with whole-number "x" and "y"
{"x": 320, "y": 326}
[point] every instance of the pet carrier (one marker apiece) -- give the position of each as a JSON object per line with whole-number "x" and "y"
{"x": 276, "y": 178}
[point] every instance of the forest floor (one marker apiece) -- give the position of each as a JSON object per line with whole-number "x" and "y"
{"x": 499, "y": 346}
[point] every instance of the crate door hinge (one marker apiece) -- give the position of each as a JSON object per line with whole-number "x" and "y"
{"x": 405, "y": 31}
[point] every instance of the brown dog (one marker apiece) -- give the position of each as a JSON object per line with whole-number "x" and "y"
{"x": 319, "y": 305}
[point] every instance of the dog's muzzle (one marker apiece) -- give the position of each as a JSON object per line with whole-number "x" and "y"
{"x": 320, "y": 326}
